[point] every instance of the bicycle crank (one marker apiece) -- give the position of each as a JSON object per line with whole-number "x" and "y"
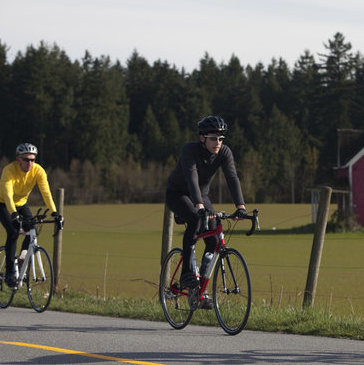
{"x": 193, "y": 295}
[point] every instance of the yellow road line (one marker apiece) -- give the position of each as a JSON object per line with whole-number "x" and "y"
{"x": 79, "y": 353}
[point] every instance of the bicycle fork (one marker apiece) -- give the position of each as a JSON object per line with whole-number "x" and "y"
{"x": 236, "y": 289}
{"x": 32, "y": 258}
{"x": 41, "y": 268}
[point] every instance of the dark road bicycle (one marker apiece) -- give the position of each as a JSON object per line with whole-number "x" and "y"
{"x": 231, "y": 287}
{"x": 35, "y": 271}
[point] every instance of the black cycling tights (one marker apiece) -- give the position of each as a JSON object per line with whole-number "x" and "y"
{"x": 12, "y": 233}
{"x": 183, "y": 207}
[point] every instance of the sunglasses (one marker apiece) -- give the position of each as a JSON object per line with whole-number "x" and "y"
{"x": 215, "y": 138}
{"x": 27, "y": 159}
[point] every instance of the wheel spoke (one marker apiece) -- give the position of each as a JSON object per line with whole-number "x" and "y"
{"x": 232, "y": 292}
{"x": 40, "y": 280}
{"x": 173, "y": 299}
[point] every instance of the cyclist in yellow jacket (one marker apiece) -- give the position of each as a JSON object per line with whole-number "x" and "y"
{"x": 17, "y": 181}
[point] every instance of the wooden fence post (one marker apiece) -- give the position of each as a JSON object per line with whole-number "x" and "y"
{"x": 167, "y": 233}
{"x": 317, "y": 246}
{"x": 57, "y": 242}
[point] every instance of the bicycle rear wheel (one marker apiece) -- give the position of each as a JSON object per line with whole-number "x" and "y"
{"x": 40, "y": 280}
{"x": 174, "y": 301}
{"x": 232, "y": 291}
{"x": 6, "y": 293}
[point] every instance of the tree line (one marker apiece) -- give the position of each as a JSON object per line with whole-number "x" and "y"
{"x": 112, "y": 133}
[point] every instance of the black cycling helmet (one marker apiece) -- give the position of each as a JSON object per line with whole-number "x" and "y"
{"x": 25, "y": 148}
{"x": 212, "y": 124}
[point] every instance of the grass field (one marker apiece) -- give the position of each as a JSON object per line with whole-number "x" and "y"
{"x": 115, "y": 250}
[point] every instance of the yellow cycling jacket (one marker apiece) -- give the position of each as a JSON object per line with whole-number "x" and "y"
{"x": 16, "y": 185}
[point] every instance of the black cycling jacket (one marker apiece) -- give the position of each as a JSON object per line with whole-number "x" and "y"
{"x": 196, "y": 168}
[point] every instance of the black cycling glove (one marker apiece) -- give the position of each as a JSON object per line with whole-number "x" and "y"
{"x": 15, "y": 220}
{"x": 204, "y": 215}
{"x": 58, "y": 219}
{"x": 240, "y": 213}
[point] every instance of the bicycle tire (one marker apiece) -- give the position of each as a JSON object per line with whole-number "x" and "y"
{"x": 232, "y": 291}
{"x": 175, "y": 304}
{"x": 39, "y": 287}
{"x": 6, "y": 293}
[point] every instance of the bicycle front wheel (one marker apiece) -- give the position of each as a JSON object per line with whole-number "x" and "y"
{"x": 6, "y": 293}
{"x": 174, "y": 301}
{"x": 232, "y": 291}
{"x": 40, "y": 280}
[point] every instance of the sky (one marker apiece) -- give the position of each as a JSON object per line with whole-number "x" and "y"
{"x": 181, "y": 32}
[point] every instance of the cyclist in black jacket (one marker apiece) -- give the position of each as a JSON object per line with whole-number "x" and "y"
{"x": 188, "y": 187}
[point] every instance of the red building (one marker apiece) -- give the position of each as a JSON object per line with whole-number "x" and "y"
{"x": 351, "y": 172}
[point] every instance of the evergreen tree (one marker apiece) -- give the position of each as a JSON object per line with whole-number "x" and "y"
{"x": 281, "y": 149}
{"x": 338, "y": 76}
{"x": 231, "y": 99}
{"x": 236, "y": 139}
{"x": 306, "y": 108}
{"x": 101, "y": 128}
{"x": 6, "y": 149}
{"x": 306, "y": 90}
{"x": 275, "y": 89}
{"x": 151, "y": 137}
{"x": 138, "y": 88}
{"x": 167, "y": 102}
{"x": 173, "y": 139}
{"x": 42, "y": 84}
{"x": 256, "y": 115}
{"x": 357, "y": 112}
{"x": 207, "y": 79}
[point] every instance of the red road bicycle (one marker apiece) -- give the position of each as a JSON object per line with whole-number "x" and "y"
{"x": 231, "y": 287}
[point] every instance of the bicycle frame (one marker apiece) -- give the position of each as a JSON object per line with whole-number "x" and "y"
{"x": 221, "y": 245}
{"x": 32, "y": 245}
{"x": 204, "y": 281}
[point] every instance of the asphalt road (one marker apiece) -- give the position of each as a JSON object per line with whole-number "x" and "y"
{"x": 28, "y": 337}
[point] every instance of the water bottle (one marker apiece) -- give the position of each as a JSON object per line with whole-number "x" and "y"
{"x": 206, "y": 261}
{"x": 16, "y": 268}
{"x": 23, "y": 254}
{"x": 21, "y": 259}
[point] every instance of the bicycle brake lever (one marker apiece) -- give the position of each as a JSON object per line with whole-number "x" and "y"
{"x": 258, "y": 226}
{"x": 255, "y": 213}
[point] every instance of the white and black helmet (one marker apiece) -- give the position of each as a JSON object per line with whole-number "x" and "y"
{"x": 25, "y": 148}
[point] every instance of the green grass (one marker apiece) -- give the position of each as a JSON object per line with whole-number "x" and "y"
{"x": 113, "y": 251}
